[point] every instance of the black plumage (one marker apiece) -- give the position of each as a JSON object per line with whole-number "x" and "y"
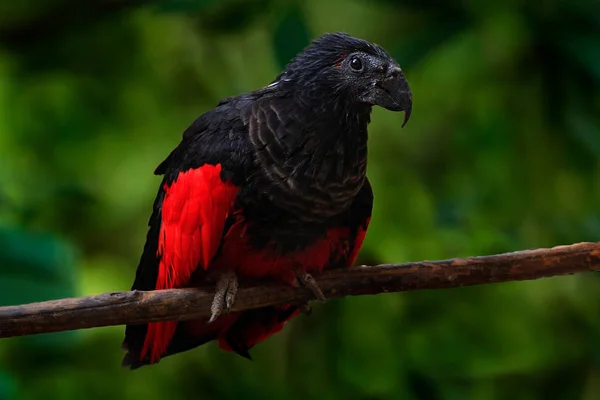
{"x": 296, "y": 150}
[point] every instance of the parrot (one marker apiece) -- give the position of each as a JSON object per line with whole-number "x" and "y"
{"x": 268, "y": 185}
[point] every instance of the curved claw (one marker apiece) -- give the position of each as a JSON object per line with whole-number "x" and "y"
{"x": 310, "y": 283}
{"x": 225, "y": 292}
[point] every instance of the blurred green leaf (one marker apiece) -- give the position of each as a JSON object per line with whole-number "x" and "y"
{"x": 184, "y": 6}
{"x": 411, "y": 50}
{"x": 36, "y": 267}
{"x": 584, "y": 49}
{"x": 291, "y": 35}
{"x": 586, "y": 129}
{"x": 231, "y": 15}
{"x": 8, "y": 386}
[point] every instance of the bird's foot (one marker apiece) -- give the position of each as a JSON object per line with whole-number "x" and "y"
{"x": 226, "y": 288}
{"x": 305, "y": 279}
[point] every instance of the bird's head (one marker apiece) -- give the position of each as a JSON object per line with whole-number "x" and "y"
{"x": 339, "y": 65}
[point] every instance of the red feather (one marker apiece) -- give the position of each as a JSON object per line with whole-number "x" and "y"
{"x": 336, "y": 245}
{"x": 358, "y": 242}
{"x": 194, "y": 211}
{"x": 253, "y": 263}
{"x": 259, "y": 329}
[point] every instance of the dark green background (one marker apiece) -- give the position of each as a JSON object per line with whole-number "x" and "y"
{"x": 501, "y": 154}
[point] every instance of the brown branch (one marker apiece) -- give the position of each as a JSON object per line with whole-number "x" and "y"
{"x": 140, "y": 307}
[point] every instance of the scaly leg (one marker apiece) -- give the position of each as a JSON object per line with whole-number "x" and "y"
{"x": 226, "y": 288}
{"x": 305, "y": 279}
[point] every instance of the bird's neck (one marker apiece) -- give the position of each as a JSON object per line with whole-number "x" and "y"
{"x": 333, "y": 152}
{"x": 325, "y": 165}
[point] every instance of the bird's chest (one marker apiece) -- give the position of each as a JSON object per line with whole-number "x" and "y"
{"x": 255, "y": 251}
{"x": 311, "y": 192}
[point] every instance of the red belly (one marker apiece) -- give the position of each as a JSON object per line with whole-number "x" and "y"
{"x": 248, "y": 262}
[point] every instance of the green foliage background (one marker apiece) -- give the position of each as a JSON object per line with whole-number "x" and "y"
{"x": 502, "y": 153}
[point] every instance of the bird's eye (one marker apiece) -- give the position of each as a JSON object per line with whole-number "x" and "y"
{"x": 356, "y": 64}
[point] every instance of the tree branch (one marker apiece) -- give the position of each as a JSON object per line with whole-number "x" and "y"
{"x": 179, "y": 304}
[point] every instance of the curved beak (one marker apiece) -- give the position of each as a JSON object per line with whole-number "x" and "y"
{"x": 392, "y": 93}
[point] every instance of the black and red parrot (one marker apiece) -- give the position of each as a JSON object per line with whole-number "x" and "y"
{"x": 269, "y": 184}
